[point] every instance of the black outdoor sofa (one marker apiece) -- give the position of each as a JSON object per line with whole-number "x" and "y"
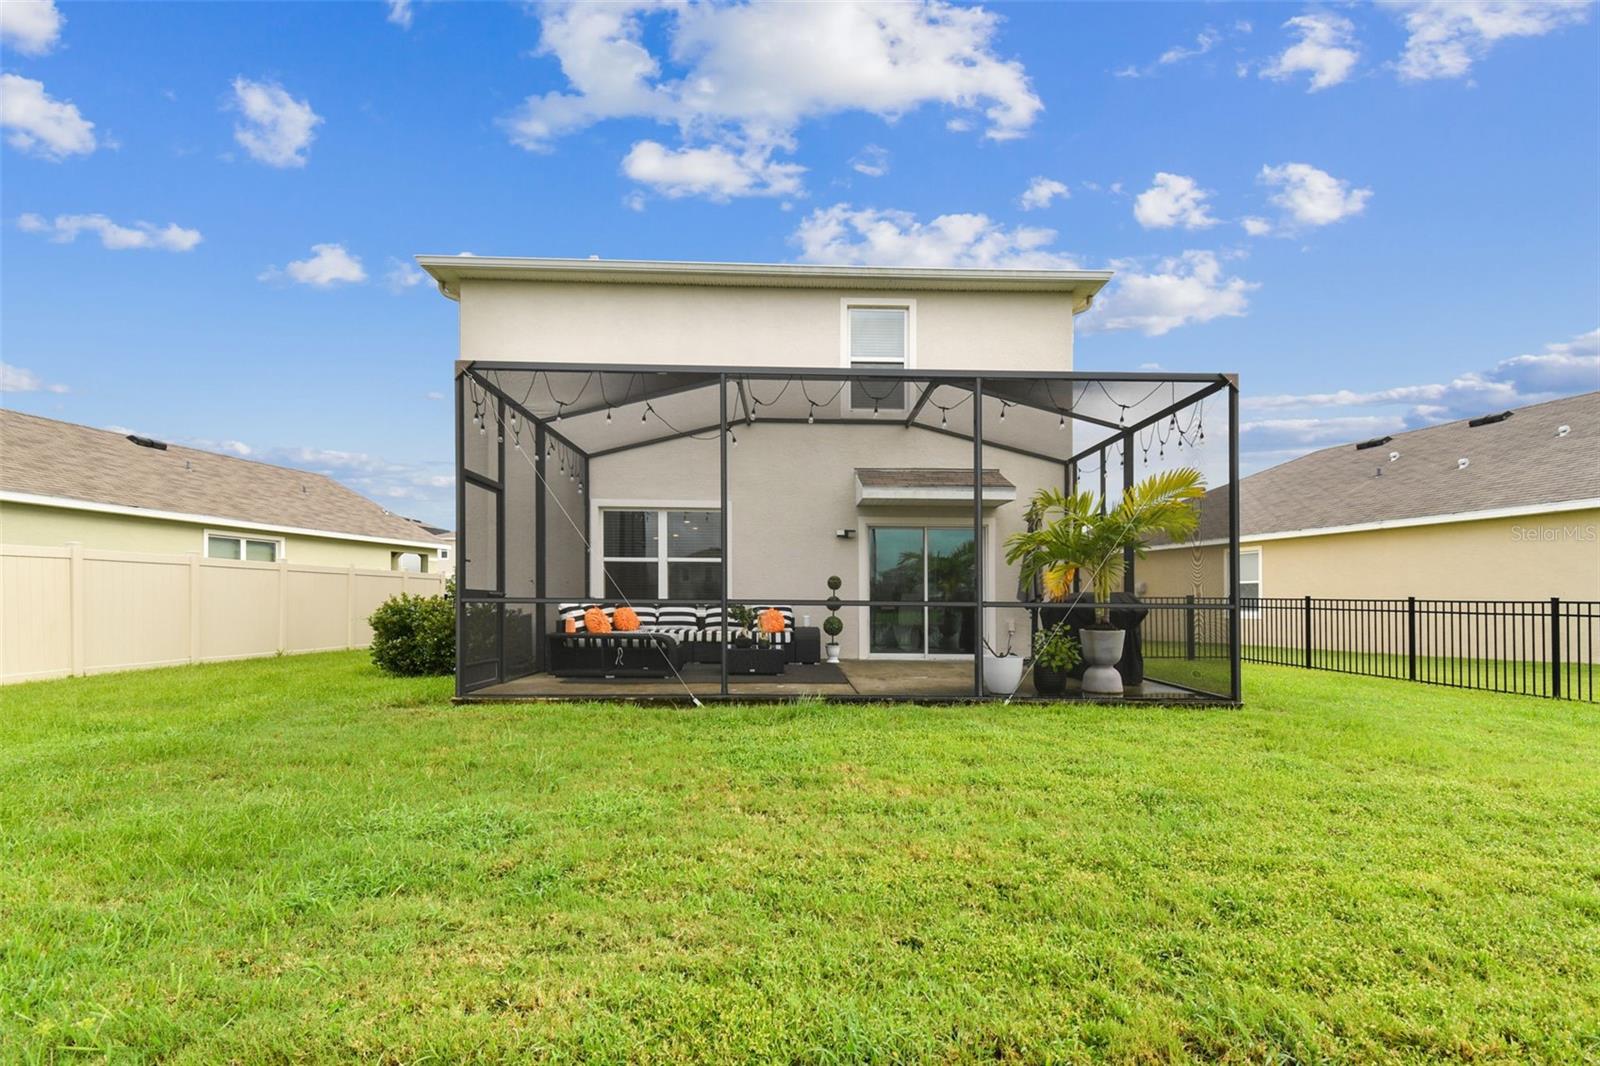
{"x": 668, "y": 639}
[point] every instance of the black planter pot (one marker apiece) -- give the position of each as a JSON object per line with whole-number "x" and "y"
{"x": 1049, "y": 682}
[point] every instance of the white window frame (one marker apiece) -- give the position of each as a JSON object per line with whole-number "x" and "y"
{"x": 1260, "y": 581}
{"x": 899, "y": 303}
{"x": 598, "y": 560}
{"x": 279, "y": 554}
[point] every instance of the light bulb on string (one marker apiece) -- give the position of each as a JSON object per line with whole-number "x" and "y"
{"x": 1063, "y": 423}
{"x": 811, "y": 415}
{"x": 874, "y": 408}
{"x": 608, "y": 416}
{"x": 644, "y": 415}
{"x": 944, "y": 419}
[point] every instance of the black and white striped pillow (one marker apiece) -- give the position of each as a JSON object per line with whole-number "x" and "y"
{"x": 712, "y": 617}
{"x": 575, "y": 612}
{"x": 676, "y": 617}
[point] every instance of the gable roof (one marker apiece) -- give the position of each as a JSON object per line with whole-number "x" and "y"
{"x": 1518, "y": 462}
{"x": 929, "y": 477}
{"x": 62, "y": 460}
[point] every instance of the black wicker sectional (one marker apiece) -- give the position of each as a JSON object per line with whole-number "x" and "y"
{"x": 668, "y": 638}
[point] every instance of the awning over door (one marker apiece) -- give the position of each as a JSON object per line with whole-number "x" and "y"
{"x": 925, "y": 486}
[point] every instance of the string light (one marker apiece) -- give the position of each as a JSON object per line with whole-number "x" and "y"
{"x": 943, "y": 419}
{"x": 1063, "y": 423}
{"x": 608, "y": 416}
{"x": 559, "y": 408}
{"x": 644, "y": 416}
{"x": 874, "y": 408}
{"x": 811, "y": 415}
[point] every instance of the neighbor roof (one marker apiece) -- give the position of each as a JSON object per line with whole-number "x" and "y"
{"x": 450, "y": 270}
{"x": 46, "y": 458}
{"x": 1519, "y": 462}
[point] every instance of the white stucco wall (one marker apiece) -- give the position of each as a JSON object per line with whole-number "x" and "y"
{"x": 793, "y": 486}
{"x": 751, "y": 326}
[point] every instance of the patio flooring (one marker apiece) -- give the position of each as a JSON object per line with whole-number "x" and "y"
{"x": 851, "y": 679}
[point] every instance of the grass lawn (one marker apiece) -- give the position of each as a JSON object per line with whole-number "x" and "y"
{"x": 299, "y": 860}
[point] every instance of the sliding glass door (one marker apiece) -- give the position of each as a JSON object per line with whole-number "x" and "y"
{"x": 922, "y": 563}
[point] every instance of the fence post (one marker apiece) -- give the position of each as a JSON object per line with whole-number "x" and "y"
{"x": 1411, "y": 637}
{"x": 1308, "y": 633}
{"x": 283, "y": 606}
{"x": 1189, "y": 623}
{"x": 1555, "y": 647}
{"x": 75, "y": 617}
{"x": 194, "y": 607}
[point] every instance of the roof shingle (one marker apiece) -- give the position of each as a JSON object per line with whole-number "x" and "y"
{"x": 44, "y": 457}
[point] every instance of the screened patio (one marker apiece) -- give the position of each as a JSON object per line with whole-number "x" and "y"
{"x": 686, "y": 493}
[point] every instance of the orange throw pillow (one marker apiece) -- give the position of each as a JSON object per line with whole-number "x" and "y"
{"x": 772, "y": 620}
{"x": 595, "y": 621}
{"x": 625, "y": 620}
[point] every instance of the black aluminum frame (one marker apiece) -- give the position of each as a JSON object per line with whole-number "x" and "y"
{"x": 720, "y": 377}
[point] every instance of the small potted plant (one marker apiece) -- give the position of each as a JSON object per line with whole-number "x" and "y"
{"x": 1002, "y": 670}
{"x": 833, "y": 625}
{"x": 1054, "y": 654}
{"x": 745, "y": 619}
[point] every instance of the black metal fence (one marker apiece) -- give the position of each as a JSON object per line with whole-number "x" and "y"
{"x": 1543, "y": 648}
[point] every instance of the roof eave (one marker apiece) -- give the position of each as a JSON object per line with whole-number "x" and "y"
{"x": 448, "y": 271}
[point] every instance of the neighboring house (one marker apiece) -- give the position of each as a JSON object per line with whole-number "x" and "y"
{"x": 1502, "y": 507}
{"x": 62, "y": 483}
{"x": 445, "y": 555}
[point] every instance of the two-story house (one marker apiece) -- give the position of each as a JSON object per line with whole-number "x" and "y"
{"x": 685, "y": 437}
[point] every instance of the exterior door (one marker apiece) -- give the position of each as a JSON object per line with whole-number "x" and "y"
{"x": 921, "y": 563}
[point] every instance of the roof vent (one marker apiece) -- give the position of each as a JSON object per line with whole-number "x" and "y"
{"x": 1463, "y": 463}
{"x": 1562, "y": 431}
{"x": 1489, "y": 420}
{"x": 148, "y": 442}
{"x": 1394, "y": 456}
{"x": 1375, "y": 442}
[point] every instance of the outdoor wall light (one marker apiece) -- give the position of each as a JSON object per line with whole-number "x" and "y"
{"x": 844, "y": 534}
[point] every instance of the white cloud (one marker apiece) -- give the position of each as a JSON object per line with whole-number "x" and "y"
{"x": 400, "y": 13}
{"x": 1174, "y": 200}
{"x": 1255, "y": 225}
{"x": 843, "y": 234}
{"x": 716, "y": 172}
{"x": 328, "y": 265}
{"x": 745, "y": 76}
{"x": 1561, "y": 369}
{"x": 873, "y": 161}
{"x": 1444, "y": 37}
{"x": 40, "y": 125}
{"x": 1041, "y": 191}
{"x": 1183, "y": 290}
{"x": 21, "y": 379}
{"x": 1308, "y": 197}
{"x": 1205, "y": 42}
{"x": 634, "y": 201}
{"x": 277, "y": 129}
{"x": 402, "y": 275}
{"x": 64, "y": 229}
{"x": 1326, "y": 50}
{"x": 32, "y": 27}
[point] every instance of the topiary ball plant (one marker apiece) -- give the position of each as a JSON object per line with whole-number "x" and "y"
{"x": 832, "y": 626}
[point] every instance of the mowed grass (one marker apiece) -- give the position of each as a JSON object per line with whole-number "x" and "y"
{"x": 298, "y": 860}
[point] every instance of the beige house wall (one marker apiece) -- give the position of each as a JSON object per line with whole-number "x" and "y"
{"x": 44, "y": 526}
{"x": 1531, "y": 557}
{"x": 75, "y": 611}
{"x": 792, "y": 488}
{"x": 657, "y": 325}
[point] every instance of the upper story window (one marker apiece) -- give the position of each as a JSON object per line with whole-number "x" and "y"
{"x": 879, "y": 334}
{"x": 252, "y": 549}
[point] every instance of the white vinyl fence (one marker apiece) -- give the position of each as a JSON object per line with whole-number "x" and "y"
{"x": 73, "y": 611}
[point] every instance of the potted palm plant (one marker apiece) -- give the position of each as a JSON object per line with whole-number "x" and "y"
{"x": 1077, "y": 533}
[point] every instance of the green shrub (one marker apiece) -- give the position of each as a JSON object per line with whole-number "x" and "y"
{"x": 415, "y": 635}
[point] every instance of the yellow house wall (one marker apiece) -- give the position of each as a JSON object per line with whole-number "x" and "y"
{"x": 42, "y": 526}
{"x": 1532, "y": 557}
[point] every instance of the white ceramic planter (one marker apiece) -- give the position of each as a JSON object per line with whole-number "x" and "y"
{"x": 1002, "y": 674}
{"x": 1102, "y": 648}
{"x": 833, "y": 651}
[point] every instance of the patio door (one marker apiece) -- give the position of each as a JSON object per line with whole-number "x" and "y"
{"x": 921, "y": 563}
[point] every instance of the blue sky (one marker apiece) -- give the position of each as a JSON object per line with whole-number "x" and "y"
{"x": 1378, "y": 216}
